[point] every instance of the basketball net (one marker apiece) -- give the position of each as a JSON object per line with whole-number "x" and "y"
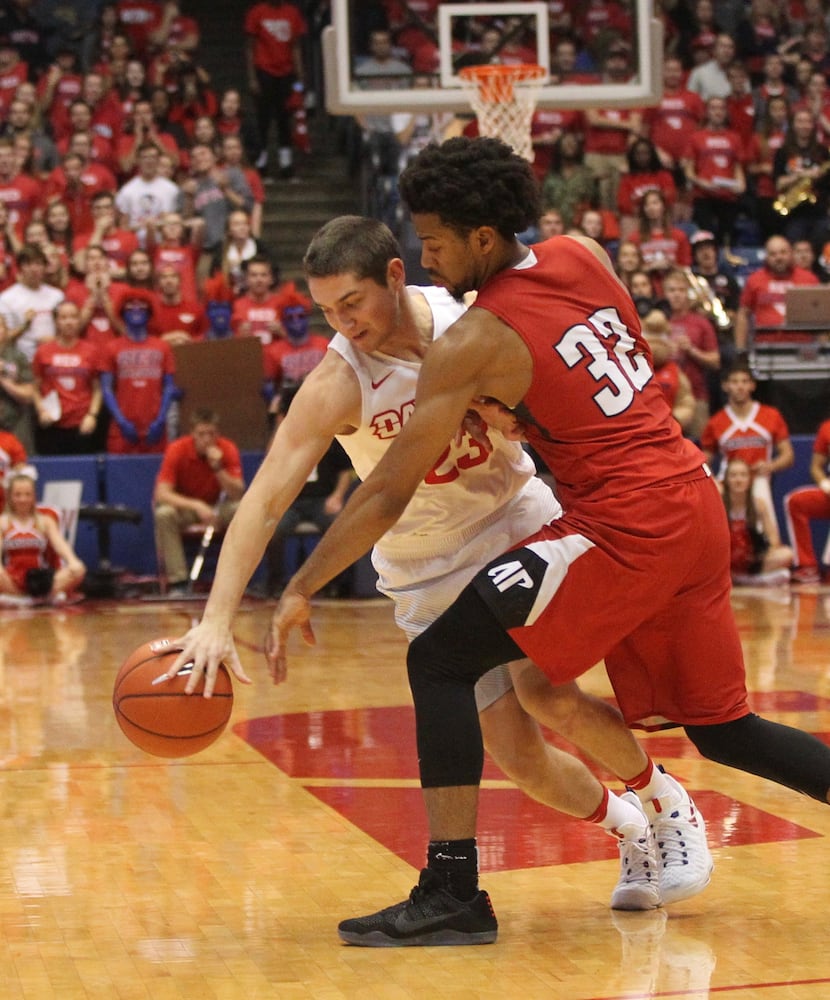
{"x": 504, "y": 99}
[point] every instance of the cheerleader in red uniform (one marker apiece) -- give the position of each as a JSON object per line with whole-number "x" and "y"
{"x": 758, "y": 557}
{"x": 36, "y": 559}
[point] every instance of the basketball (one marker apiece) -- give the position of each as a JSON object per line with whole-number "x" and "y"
{"x": 156, "y": 715}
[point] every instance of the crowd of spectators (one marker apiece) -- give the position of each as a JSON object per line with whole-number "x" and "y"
{"x": 132, "y": 191}
{"x": 129, "y": 211}
{"x": 712, "y": 203}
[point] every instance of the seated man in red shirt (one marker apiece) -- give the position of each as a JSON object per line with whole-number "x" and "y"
{"x": 762, "y": 306}
{"x": 200, "y": 482}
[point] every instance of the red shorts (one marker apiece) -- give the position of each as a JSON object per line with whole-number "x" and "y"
{"x": 651, "y": 598}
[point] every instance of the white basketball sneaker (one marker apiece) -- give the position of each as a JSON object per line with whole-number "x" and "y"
{"x": 683, "y": 857}
{"x": 639, "y": 885}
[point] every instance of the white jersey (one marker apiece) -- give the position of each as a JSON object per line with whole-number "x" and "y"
{"x": 18, "y": 300}
{"x": 467, "y": 488}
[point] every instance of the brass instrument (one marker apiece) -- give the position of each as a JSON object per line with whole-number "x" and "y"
{"x": 701, "y": 294}
{"x": 733, "y": 259}
{"x": 802, "y": 191}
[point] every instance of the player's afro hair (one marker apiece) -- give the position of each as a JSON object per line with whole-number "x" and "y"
{"x": 473, "y": 182}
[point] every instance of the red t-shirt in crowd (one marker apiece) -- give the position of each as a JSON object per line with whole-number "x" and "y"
{"x": 674, "y": 120}
{"x": 21, "y": 195}
{"x": 258, "y": 315}
{"x": 71, "y": 372}
{"x": 763, "y": 295}
{"x": 284, "y": 361}
{"x": 186, "y": 315}
{"x": 633, "y": 187}
{"x": 190, "y": 474}
{"x": 138, "y": 371}
{"x": 273, "y": 28}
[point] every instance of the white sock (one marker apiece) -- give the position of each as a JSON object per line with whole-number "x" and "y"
{"x": 620, "y": 818}
{"x": 652, "y": 784}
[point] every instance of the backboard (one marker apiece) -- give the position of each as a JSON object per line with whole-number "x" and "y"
{"x": 461, "y": 32}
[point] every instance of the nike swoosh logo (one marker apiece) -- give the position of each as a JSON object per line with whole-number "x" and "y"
{"x": 378, "y": 384}
{"x": 406, "y": 925}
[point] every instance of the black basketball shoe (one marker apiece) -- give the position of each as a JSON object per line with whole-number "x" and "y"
{"x": 431, "y": 916}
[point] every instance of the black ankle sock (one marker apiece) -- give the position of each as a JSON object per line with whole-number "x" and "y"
{"x": 456, "y": 861}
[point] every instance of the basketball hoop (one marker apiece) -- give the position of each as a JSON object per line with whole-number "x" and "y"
{"x": 504, "y": 99}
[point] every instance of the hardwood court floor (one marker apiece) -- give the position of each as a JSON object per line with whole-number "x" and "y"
{"x": 224, "y": 875}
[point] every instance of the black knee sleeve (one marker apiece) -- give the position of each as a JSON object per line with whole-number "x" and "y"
{"x": 444, "y": 663}
{"x": 780, "y": 753}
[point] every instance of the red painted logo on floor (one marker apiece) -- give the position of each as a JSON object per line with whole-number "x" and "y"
{"x": 348, "y": 747}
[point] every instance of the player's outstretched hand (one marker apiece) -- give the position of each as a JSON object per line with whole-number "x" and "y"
{"x": 205, "y": 646}
{"x": 293, "y": 611}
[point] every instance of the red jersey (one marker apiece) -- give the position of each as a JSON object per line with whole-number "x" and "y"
{"x": 674, "y": 121}
{"x": 71, "y": 372}
{"x": 640, "y": 557}
{"x": 283, "y": 361}
{"x": 763, "y": 295}
{"x": 606, "y": 428}
{"x": 752, "y": 438}
{"x": 274, "y": 27}
{"x": 188, "y": 316}
{"x": 190, "y": 474}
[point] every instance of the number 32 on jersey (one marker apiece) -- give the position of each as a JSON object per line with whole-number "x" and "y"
{"x": 611, "y": 356}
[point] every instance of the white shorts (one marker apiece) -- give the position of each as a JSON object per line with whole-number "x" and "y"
{"x": 423, "y": 588}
